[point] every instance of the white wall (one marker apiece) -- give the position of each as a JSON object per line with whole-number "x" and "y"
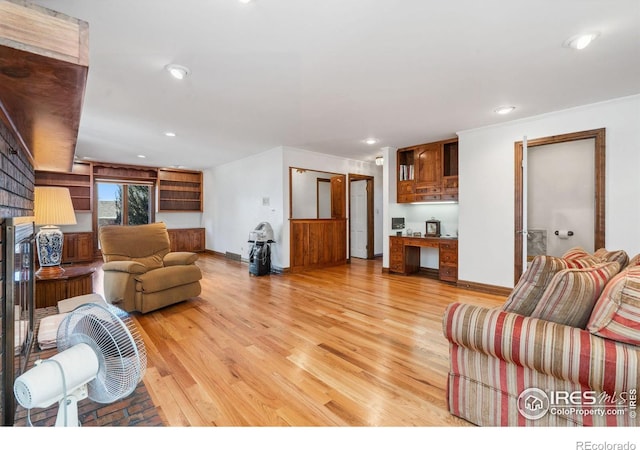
{"x": 486, "y": 214}
{"x": 233, "y": 203}
{"x": 180, "y": 219}
{"x": 172, "y": 220}
{"x": 234, "y": 193}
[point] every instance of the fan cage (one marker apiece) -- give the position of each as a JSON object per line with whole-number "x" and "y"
{"x": 112, "y": 334}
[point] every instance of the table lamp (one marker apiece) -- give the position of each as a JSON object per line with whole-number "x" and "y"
{"x": 52, "y": 207}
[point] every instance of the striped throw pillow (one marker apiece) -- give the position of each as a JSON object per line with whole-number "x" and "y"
{"x": 572, "y": 293}
{"x": 617, "y": 312}
{"x": 575, "y": 253}
{"x": 635, "y": 261}
{"x": 620, "y": 256}
{"x": 533, "y": 282}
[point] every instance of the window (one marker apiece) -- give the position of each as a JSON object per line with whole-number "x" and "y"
{"x": 124, "y": 204}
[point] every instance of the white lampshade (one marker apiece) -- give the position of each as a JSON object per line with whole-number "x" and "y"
{"x": 53, "y": 206}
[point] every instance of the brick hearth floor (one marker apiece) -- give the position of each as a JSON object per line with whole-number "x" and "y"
{"x": 135, "y": 410}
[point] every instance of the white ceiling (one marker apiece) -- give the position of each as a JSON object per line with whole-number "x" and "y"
{"x": 325, "y": 75}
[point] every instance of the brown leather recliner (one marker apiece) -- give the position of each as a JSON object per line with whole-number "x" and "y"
{"x": 141, "y": 273}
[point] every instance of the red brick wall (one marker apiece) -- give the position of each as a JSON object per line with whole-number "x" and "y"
{"x": 16, "y": 199}
{"x": 16, "y": 178}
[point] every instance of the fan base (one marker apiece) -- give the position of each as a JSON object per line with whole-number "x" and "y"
{"x": 68, "y": 409}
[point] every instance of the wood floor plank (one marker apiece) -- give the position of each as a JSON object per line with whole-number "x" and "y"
{"x": 341, "y": 346}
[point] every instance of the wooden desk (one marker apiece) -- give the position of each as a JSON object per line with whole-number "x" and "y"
{"x": 404, "y": 255}
{"x": 75, "y": 280}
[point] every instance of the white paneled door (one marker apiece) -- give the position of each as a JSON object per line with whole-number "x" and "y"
{"x": 358, "y": 202}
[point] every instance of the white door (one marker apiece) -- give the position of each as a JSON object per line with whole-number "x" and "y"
{"x": 560, "y": 197}
{"x": 358, "y": 206}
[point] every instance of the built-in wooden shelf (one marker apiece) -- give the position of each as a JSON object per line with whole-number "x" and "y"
{"x": 179, "y": 190}
{"x": 79, "y": 181}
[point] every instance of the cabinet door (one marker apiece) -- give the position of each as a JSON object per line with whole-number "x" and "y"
{"x": 429, "y": 174}
{"x": 77, "y": 247}
{"x": 84, "y": 247}
{"x": 187, "y": 239}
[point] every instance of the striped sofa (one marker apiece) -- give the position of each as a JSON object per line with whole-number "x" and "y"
{"x": 555, "y": 365}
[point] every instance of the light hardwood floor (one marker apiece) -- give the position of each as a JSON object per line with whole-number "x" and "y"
{"x": 343, "y": 346}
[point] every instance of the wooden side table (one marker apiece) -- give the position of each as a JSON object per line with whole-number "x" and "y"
{"x": 76, "y": 280}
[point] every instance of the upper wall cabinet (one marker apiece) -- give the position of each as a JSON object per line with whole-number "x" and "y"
{"x": 44, "y": 61}
{"x": 428, "y": 172}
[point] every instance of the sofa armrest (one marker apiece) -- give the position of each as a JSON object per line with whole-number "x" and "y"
{"x": 558, "y": 350}
{"x": 124, "y": 266}
{"x": 180, "y": 258}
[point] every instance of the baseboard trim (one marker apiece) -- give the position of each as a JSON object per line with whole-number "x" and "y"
{"x": 484, "y": 288}
{"x": 237, "y": 258}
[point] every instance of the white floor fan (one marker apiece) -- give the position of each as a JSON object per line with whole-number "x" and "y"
{"x": 102, "y": 356}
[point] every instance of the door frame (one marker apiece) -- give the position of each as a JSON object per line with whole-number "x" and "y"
{"x": 370, "y": 221}
{"x": 599, "y": 208}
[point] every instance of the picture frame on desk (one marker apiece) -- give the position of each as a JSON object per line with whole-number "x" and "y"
{"x": 433, "y": 228}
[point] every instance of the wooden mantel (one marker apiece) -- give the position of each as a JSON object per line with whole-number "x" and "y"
{"x": 44, "y": 61}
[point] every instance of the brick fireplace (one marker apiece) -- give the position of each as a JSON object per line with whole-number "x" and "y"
{"x": 16, "y": 200}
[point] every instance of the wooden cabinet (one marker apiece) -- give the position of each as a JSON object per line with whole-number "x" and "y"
{"x": 448, "y": 255}
{"x": 77, "y": 247}
{"x": 79, "y": 182}
{"x": 429, "y": 176}
{"x": 450, "y": 170}
{"x": 428, "y": 172}
{"x": 179, "y": 190}
{"x": 74, "y": 281}
{"x": 317, "y": 243}
{"x": 187, "y": 239}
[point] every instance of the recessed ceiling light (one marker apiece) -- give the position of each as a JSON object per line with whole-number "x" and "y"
{"x": 177, "y": 71}
{"x": 141, "y": 156}
{"x": 504, "y": 109}
{"x": 169, "y": 134}
{"x": 581, "y": 41}
{"x": 245, "y": 1}
{"x": 370, "y": 141}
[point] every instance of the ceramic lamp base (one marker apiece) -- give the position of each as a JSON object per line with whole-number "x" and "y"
{"x": 49, "y": 242}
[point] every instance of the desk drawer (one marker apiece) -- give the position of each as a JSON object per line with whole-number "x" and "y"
{"x": 396, "y": 256}
{"x": 396, "y": 266}
{"x": 451, "y": 245}
{"x": 448, "y": 257}
{"x": 448, "y": 273}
